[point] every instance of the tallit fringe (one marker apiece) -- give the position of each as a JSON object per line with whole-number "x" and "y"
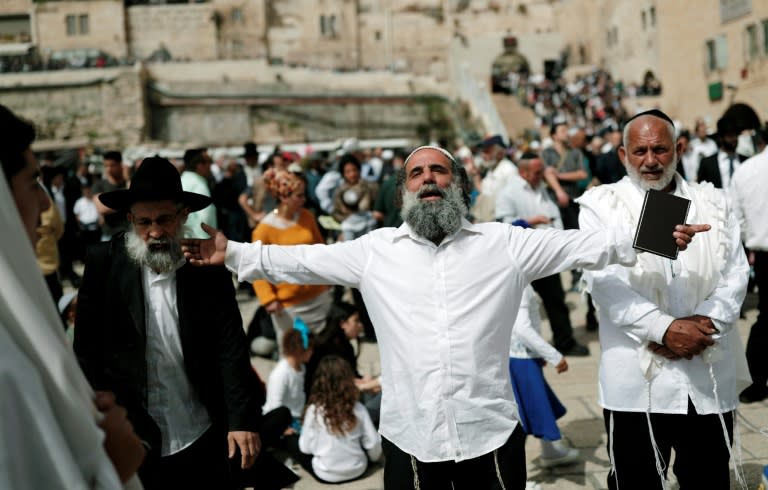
{"x": 735, "y": 452}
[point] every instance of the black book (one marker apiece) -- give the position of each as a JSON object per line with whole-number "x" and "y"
{"x": 662, "y": 211}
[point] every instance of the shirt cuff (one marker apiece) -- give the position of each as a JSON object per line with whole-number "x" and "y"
{"x": 659, "y": 328}
{"x": 233, "y": 255}
{"x": 625, "y": 249}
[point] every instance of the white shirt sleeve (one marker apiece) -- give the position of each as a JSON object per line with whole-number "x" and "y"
{"x": 371, "y": 440}
{"x": 724, "y": 304}
{"x": 277, "y": 384}
{"x": 341, "y": 263}
{"x": 310, "y": 430}
{"x": 541, "y": 253}
{"x": 527, "y": 334}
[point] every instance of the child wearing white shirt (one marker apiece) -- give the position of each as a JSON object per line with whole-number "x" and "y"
{"x": 338, "y": 437}
{"x": 537, "y": 404}
{"x": 285, "y": 386}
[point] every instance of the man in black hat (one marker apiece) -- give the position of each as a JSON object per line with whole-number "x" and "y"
{"x": 718, "y": 168}
{"x": 167, "y": 338}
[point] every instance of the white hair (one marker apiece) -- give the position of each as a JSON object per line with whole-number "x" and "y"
{"x": 446, "y": 153}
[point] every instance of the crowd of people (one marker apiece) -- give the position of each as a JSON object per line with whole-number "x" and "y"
{"x": 394, "y": 246}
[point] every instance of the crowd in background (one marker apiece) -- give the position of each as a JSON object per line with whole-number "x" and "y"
{"x": 322, "y": 197}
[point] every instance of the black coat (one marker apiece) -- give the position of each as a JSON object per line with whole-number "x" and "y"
{"x": 110, "y": 340}
{"x": 709, "y": 170}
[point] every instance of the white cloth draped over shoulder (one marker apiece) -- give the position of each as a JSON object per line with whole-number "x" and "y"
{"x": 637, "y": 304}
{"x": 49, "y": 437}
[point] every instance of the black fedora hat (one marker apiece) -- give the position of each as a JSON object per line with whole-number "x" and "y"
{"x": 156, "y": 180}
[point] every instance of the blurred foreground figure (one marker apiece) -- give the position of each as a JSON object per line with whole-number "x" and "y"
{"x": 49, "y": 434}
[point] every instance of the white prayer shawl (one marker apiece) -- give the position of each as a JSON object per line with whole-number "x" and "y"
{"x": 722, "y": 369}
{"x": 56, "y": 442}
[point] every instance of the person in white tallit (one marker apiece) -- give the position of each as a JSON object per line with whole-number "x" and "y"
{"x": 672, "y": 363}
{"x": 49, "y": 434}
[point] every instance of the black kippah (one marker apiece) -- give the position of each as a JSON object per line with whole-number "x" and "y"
{"x": 651, "y": 112}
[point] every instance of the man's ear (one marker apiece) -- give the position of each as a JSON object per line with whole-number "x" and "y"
{"x": 622, "y": 154}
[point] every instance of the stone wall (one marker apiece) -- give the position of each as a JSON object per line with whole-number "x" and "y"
{"x": 192, "y": 104}
{"x": 241, "y": 27}
{"x": 187, "y": 31}
{"x": 15, "y": 7}
{"x": 95, "y": 106}
{"x": 105, "y": 26}
{"x": 674, "y": 48}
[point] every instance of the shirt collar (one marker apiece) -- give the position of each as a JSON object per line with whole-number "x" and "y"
{"x": 405, "y": 231}
{"x": 152, "y": 274}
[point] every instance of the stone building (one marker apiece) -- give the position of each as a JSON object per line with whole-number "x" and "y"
{"x": 706, "y": 54}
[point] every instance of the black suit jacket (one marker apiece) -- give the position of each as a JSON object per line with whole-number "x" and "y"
{"x": 709, "y": 170}
{"x": 110, "y": 340}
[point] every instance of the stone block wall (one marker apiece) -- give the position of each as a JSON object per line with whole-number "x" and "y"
{"x": 105, "y": 26}
{"x": 187, "y": 31}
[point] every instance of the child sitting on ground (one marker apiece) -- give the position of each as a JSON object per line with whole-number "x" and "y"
{"x": 285, "y": 386}
{"x": 537, "y": 404}
{"x": 337, "y": 438}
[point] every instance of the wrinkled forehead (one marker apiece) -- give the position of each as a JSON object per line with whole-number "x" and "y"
{"x": 427, "y": 155}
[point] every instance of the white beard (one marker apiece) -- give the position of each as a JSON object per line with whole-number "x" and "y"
{"x": 434, "y": 220}
{"x": 157, "y": 259}
{"x": 667, "y": 177}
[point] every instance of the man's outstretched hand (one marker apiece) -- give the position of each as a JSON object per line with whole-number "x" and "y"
{"x": 208, "y": 251}
{"x": 684, "y": 234}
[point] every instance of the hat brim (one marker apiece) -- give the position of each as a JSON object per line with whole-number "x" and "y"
{"x": 121, "y": 200}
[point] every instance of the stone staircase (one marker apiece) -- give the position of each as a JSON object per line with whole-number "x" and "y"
{"x": 515, "y": 117}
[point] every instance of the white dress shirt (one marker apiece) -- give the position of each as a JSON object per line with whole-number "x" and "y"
{"x": 442, "y": 316}
{"x": 338, "y": 458}
{"x": 704, "y": 148}
{"x": 87, "y": 213}
{"x": 750, "y": 201}
{"x": 527, "y": 342}
{"x": 172, "y": 402}
{"x": 285, "y": 388}
{"x": 690, "y": 161}
{"x": 637, "y": 304}
{"x": 518, "y": 200}
{"x": 498, "y": 177}
{"x": 724, "y": 164}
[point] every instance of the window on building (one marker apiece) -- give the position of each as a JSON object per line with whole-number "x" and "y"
{"x": 765, "y": 37}
{"x": 711, "y": 55}
{"x": 721, "y": 52}
{"x": 71, "y": 25}
{"x": 323, "y": 27}
{"x": 377, "y": 35}
{"x": 237, "y": 14}
{"x": 644, "y": 19}
{"x": 84, "y": 24}
{"x": 653, "y": 16}
{"x": 751, "y": 45}
{"x": 332, "y": 32}
{"x": 716, "y": 53}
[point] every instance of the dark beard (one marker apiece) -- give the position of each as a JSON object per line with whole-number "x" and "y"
{"x": 434, "y": 220}
{"x": 160, "y": 255}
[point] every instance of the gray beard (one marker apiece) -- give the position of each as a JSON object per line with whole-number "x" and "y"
{"x": 434, "y": 220}
{"x": 159, "y": 260}
{"x": 657, "y": 185}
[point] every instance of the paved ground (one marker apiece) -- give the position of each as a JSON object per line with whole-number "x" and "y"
{"x": 582, "y": 426}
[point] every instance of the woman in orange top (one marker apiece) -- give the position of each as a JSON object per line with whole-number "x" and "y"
{"x": 290, "y": 224}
